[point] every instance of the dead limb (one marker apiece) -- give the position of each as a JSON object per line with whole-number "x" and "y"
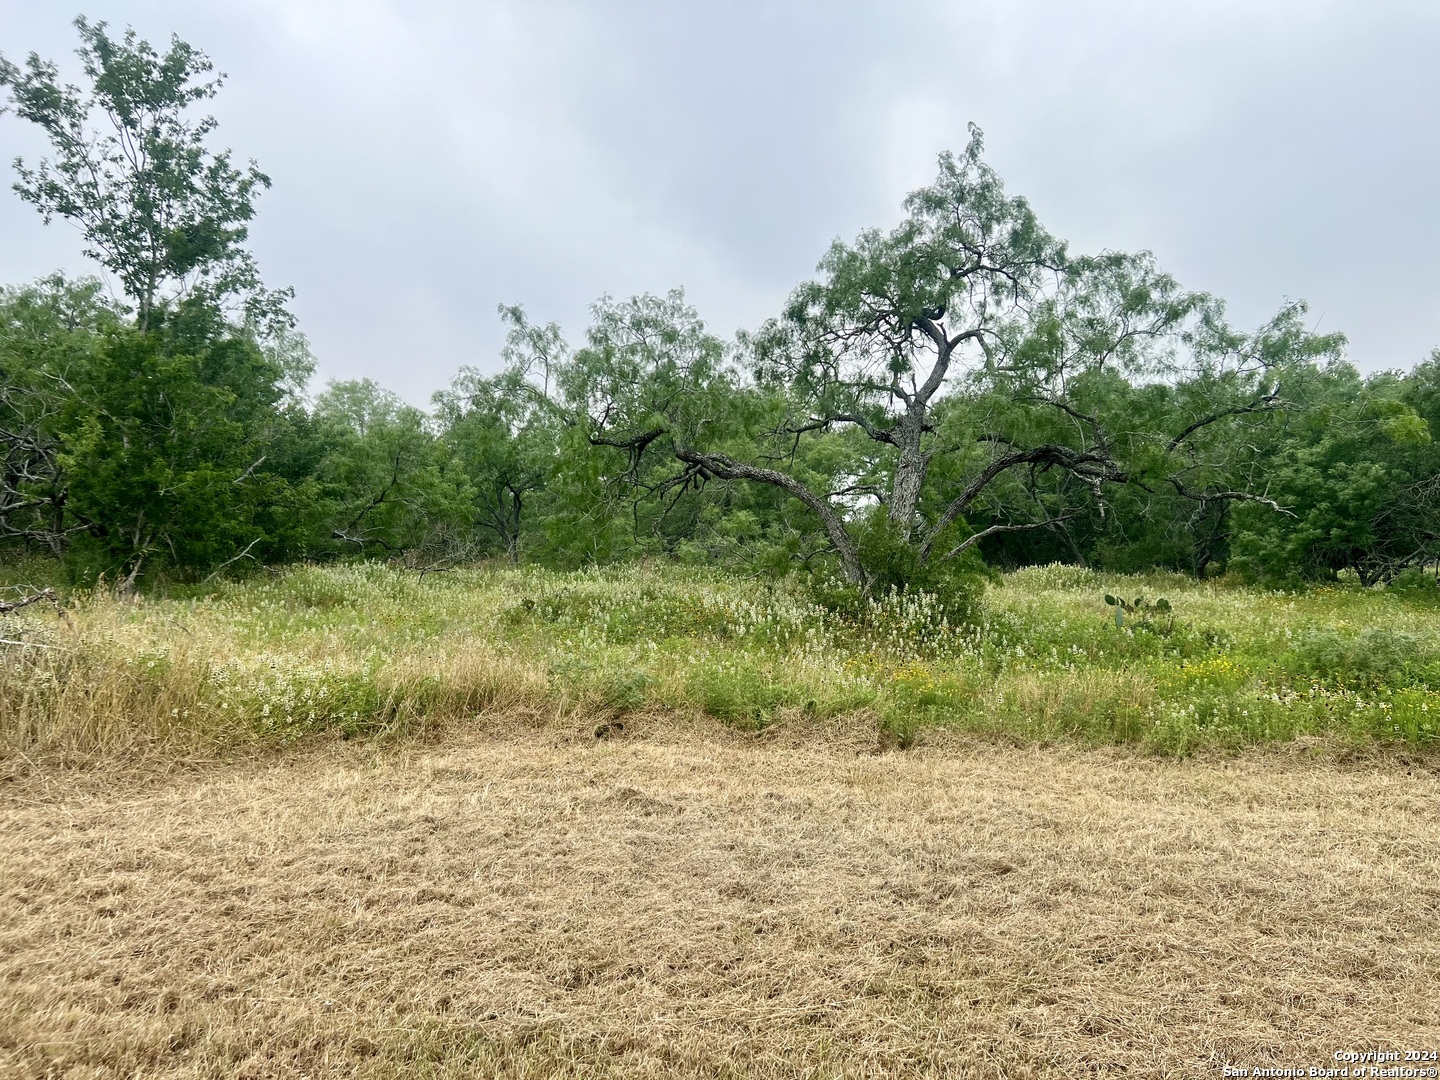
{"x": 7, "y": 606}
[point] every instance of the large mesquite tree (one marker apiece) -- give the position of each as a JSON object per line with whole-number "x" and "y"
{"x": 931, "y": 366}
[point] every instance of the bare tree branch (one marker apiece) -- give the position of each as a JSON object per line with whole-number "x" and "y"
{"x": 727, "y": 468}
{"x": 1093, "y": 468}
{"x": 7, "y": 606}
{"x": 1226, "y": 496}
{"x": 1269, "y": 402}
{"x": 234, "y": 558}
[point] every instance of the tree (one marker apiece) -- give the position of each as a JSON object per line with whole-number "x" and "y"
{"x": 650, "y": 375}
{"x": 504, "y": 432}
{"x": 166, "y": 445}
{"x": 49, "y": 335}
{"x": 1194, "y": 436}
{"x": 158, "y": 209}
{"x": 384, "y": 475}
{"x": 1358, "y": 472}
{"x": 170, "y": 440}
{"x": 145, "y": 449}
{"x": 932, "y": 365}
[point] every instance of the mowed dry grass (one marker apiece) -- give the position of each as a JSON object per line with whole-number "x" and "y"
{"x": 514, "y": 901}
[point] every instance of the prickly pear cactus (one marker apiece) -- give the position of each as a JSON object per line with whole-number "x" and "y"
{"x": 1138, "y": 607}
{"x": 1119, "y": 606}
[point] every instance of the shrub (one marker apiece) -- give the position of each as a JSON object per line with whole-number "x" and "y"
{"x": 739, "y": 692}
{"x": 1376, "y": 656}
{"x": 893, "y": 567}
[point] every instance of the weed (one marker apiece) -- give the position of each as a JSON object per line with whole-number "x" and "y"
{"x": 365, "y": 649}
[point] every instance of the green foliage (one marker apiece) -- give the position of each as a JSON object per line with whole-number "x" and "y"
{"x": 963, "y": 366}
{"x": 1377, "y": 656}
{"x": 163, "y": 447}
{"x": 158, "y": 209}
{"x": 386, "y": 482}
{"x": 893, "y": 566}
{"x": 176, "y": 450}
{"x": 594, "y": 686}
{"x": 503, "y": 434}
{"x": 1417, "y": 584}
{"x": 1358, "y": 474}
{"x": 176, "y": 441}
{"x": 957, "y": 391}
{"x": 366, "y": 648}
{"x": 50, "y": 336}
{"x": 740, "y": 692}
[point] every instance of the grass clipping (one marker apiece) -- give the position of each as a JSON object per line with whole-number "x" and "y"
{"x": 688, "y": 900}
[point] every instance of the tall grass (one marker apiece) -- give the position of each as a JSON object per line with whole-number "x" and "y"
{"x": 372, "y": 649}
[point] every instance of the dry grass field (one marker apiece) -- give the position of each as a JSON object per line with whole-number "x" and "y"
{"x": 519, "y": 898}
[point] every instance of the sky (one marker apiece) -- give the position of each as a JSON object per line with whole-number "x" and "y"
{"x": 432, "y": 160}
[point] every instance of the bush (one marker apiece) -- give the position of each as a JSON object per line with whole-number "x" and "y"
{"x": 1416, "y": 583}
{"x": 1377, "y": 656}
{"x": 739, "y": 692}
{"x": 893, "y": 566}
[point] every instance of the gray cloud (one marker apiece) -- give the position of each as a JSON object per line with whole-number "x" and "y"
{"x": 434, "y": 159}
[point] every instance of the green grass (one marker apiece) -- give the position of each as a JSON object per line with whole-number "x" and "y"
{"x": 367, "y": 648}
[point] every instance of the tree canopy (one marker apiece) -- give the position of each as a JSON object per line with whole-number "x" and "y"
{"x": 965, "y": 353}
{"x": 157, "y": 207}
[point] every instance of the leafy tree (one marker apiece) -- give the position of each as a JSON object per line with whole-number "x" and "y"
{"x": 929, "y": 368}
{"x": 651, "y": 373}
{"x": 1357, "y": 473}
{"x": 170, "y": 441}
{"x": 155, "y": 448}
{"x": 498, "y": 435}
{"x": 384, "y": 473}
{"x": 165, "y": 445}
{"x": 502, "y": 432}
{"x": 158, "y": 209}
{"x": 49, "y": 335}
{"x": 1194, "y": 438}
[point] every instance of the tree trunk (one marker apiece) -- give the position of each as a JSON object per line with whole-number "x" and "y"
{"x": 513, "y": 540}
{"x": 909, "y": 471}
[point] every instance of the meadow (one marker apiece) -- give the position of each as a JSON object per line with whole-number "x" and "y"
{"x": 650, "y": 821}
{"x": 375, "y": 650}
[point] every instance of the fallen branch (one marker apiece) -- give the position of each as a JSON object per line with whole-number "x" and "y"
{"x": 7, "y": 606}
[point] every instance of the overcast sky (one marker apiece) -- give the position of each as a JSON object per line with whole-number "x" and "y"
{"x": 432, "y": 160}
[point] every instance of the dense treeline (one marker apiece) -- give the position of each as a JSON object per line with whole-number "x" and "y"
{"x": 189, "y": 448}
{"x": 957, "y": 392}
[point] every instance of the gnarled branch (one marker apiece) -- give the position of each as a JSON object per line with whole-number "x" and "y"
{"x": 1267, "y": 403}
{"x": 727, "y": 468}
{"x": 7, "y": 606}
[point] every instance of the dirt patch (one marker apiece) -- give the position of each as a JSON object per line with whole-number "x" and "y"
{"x": 701, "y": 903}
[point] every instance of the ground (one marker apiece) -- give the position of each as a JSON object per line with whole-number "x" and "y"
{"x": 516, "y": 896}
